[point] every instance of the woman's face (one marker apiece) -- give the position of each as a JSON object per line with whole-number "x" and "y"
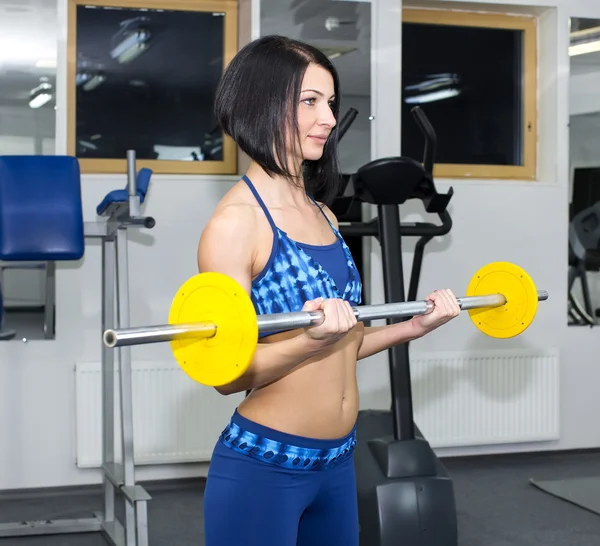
{"x": 315, "y": 115}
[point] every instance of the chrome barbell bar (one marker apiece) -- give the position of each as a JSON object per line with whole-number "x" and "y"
{"x": 288, "y": 321}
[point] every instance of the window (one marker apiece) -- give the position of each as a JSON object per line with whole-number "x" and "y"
{"x": 474, "y": 75}
{"x": 142, "y": 76}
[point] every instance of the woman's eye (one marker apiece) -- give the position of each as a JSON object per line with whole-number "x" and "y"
{"x": 310, "y": 101}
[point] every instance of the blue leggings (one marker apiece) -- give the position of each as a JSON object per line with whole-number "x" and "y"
{"x": 268, "y": 488}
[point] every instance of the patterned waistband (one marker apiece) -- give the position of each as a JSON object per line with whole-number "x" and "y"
{"x": 282, "y": 454}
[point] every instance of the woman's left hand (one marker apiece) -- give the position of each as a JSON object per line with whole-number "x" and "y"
{"x": 445, "y": 308}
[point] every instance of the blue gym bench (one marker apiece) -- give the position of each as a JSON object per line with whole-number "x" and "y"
{"x": 41, "y": 222}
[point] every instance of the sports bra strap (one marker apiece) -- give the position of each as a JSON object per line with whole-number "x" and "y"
{"x": 322, "y": 212}
{"x": 266, "y": 210}
{"x": 260, "y": 202}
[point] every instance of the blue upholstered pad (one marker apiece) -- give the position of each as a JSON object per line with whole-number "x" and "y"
{"x": 41, "y": 215}
{"x": 121, "y": 196}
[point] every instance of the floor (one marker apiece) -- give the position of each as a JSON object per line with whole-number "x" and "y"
{"x": 497, "y": 506}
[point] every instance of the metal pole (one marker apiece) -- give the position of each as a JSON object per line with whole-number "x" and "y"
{"x": 157, "y": 334}
{"x": 134, "y": 198}
{"x": 131, "y": 173}
{"x": 289, "y": 321}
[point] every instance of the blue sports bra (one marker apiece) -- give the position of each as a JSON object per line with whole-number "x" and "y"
{"x": 297, "y": 272}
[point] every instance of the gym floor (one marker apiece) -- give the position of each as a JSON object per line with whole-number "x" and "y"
{"x": 497, "y": 506}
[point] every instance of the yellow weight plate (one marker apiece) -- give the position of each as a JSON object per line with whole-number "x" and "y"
{"x": 218, "y": 299}
{"x": 520, "y": 292}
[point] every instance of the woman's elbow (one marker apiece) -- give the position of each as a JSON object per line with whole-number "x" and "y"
{"x": 225, "y": 390}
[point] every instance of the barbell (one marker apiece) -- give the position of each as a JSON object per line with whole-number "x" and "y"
{"x": 213, "y": 327}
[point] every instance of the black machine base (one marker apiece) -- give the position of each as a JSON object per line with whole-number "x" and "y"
{"x": 405, "y": 495}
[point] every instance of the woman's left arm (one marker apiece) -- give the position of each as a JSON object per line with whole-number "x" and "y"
{"x": 381, "y": 338}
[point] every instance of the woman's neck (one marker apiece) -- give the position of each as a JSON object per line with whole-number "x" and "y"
{"x": 281, "y": 192}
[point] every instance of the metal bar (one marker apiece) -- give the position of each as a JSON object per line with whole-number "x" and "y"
{"x": 125, "y": 384}
{"x": 141, "y": 514}
{"x": 50, "y": 300}
{"x": 158, "y": 334}
{"x": 289, "y": 321}
{"x": 134, "y": 198}
{"x": 110, "y": 481}
{"x": 131, "y": 173}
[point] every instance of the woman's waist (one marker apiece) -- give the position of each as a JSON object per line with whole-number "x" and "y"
{"x": 316, "y": 414}
{"x": 287, "y": 445}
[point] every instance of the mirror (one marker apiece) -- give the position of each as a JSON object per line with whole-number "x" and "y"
{"x": 584, "y": 182}
{"x": 27, "y": 127}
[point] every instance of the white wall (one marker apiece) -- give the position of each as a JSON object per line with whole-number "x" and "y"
{"x": 37, "y": 401}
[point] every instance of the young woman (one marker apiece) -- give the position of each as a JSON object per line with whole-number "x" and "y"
{"x": 282, "y": 471}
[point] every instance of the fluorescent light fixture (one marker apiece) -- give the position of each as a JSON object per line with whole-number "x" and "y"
{"x": 93, "y": 82}
{"x": 337, "y": 51}
{"x": 434, "y": 81}
{"x": 586, "y": 47}
{"x": 41, "y": 95}
{"x": 132, "y": 53}
{"x": 131, "y": 46}
{"x": 433, "y": 97}
{"x": 39, "y": 100}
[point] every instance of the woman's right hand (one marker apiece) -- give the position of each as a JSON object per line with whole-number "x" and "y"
{"x": 339, "y": 319}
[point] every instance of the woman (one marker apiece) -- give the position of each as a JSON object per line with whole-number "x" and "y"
{"x": 282, "y": 471}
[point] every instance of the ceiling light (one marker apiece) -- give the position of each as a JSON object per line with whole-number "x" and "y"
{"x": 41, "y": 95}
{"x": 586, "y": 47}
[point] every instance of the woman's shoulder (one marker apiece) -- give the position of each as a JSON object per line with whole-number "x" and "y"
{"x": 235, "y": 210}
{"x": 226, "y": 243}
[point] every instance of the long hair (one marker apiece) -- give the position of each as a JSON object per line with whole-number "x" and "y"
{"x": 257, "y": 103}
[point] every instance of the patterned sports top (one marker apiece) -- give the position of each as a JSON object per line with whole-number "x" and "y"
{"x": 297, "y": 272}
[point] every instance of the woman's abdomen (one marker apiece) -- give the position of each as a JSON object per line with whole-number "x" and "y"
{"x": 319, "y": 399}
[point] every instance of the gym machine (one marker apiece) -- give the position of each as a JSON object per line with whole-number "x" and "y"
{"x": 405, "y": 495}
{"x": 584, "y": 256}
{"x": 44, "y": 194}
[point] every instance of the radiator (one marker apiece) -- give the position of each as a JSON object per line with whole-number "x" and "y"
{"x": 486, "y": 397}
{"x": 460, "y": 399}
{"x": 175, "y": 419}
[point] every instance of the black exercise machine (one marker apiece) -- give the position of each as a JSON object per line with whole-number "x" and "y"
{"x": 404, "y": 493}
{"x": 584, "y": 256}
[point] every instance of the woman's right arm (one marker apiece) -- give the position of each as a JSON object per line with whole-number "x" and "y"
{"x": 227, "y": 246}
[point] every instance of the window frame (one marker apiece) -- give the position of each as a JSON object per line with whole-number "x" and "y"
{"x": 228, "y": 165}
{"x": 527, "y": 24}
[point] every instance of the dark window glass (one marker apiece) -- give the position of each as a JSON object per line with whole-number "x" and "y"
{"x": 146, "y": 81}
{"x": 468, "y": 80}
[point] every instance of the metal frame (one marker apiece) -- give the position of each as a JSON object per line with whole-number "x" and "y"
{"x": 117, "y": 477}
